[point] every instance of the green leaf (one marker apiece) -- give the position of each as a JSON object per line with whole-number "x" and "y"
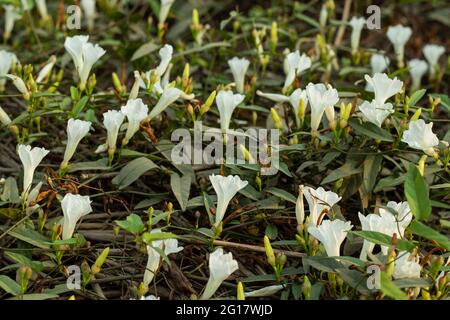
{"x": 282, "y": 194}
{"x": 81, "y": 104}
{"x": 144, "y": 50}
{"x": 422, "y": 230}
{"x": 390, "y": 289}
{"x": 37, "y": 266}
{"x": 149, "y": 237}
{"x": 181, "y": 187}
{"x": 415, "y": 98}
{"x": 344, "y": 171}
{"x": 133, "y": 224}
{"x": 372, "y": 166}
{"x": 28, "y": 235}
{"x": 416, "y": 192}
{"x": 271, "y": 231}
{"x": 370, "y": 130}
{"x": 101, "y": 164}
{"x": 132, "y": 171}
{"x": 384, "y": 239}
{"x": 9, "y": 285}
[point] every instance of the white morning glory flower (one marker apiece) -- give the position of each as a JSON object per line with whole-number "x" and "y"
{"x": 74, "y": 206}
{"x": 294, "y": 65}
{"x": 394, "y": 219}
{"x": 135, "y": 111}
{"x": 383, "y": 87}
{"x": 89, "y": 10}
{"x": 432, "y": 53}
{"x": 165, "y": 53}
{"x": 221, "y": 266}
{"x": 417, "y": 69}
{"x": 168, "y": 96}
{"x": 406, "y": 266}
{"x": 12, "y": 14}
{"x": 30, "y": 158}
{"x": 318, "y": 201}
{"x": 357, "y": 25}
{"x": 112, "y": 120}
{"x": 294, "y": 99}
{"x": 76, "y": 130}
{"x": 84, "y": 55}
{"x": 226, "y": 102}
{"x": 7, "y": 59}
{"x": 46, "y": 70}
{"x": 226, "y": 188}
{"x": 379, "y": 63}
{"x": 169, "y": 246}
{"x": 331, "y": 234}
{"x": 420, "y": 136}
{"x": 239, "y": 69}
{"x": 398, "y": 36}
{"x": 321, "y": 98}
{"x": 376, "y": 113}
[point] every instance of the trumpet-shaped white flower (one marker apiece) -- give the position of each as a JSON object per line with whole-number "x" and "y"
{"x": 226, "y": 188}
{"x": 376, "y": 113}
{"x": 46, "y": 70}
{"x": 166, "y": 54}
{"x": 164, "y": 10}
{"x": 20, "y": 85}
{"x": 135, "y": 111}
{"x": 239, "y": 69}
{"x": 226, "y": 103}
{"x": 406, "y": 266}
{"x": 398, "y": 36}
{"x": 379, "y": 63}
{"x": 221, "y": 266}
{"x": 112, "y": 120}
{"x": 89, "y": 10}
{"x": 402, "y": 215}
{"x": 42, "y": 8}
{"x": 294, "y": 99}
{"x": 76, "y": 130}
{"x": 321, "y": 98}
{"x": 420, "y": 136}
{"x": 134, "y": 92}
{"x": 417, "y": 69}
{"x": 74, "y": 206}
{"x": 295, "y": 64}
{"x": 12, "y": 14}
{"x": 84, "y": 55}
{"x": 4, "y": 118}
{"x": 357, "y": 25}
{"x": 384, "y": 223}
{"x": 7, "y": 59}
{"x": 161, "y": 71}
{"x": 432, "y": 53}
{"x": 168, "y": 96}
{"x": 169, "y": 246}
{"x": 318, "y": 201}
{"x": 331, "y": 234}
{"x": 394, "y": 219}
{"x": 30, "y": 158}
{"x": 383, "y": 87}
